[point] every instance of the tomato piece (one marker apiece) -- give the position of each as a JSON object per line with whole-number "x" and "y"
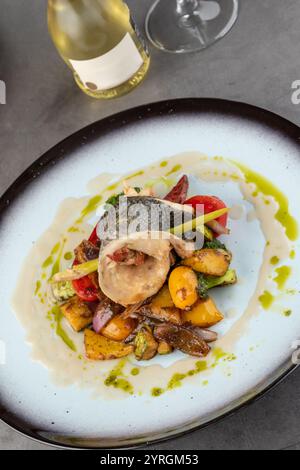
{"x": 86, "y": 287}
{"x": 94, "y": 237}
{"x": 211, "y": 204}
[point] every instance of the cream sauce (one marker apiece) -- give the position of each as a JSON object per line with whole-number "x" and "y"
{"x": 33, "y": 305}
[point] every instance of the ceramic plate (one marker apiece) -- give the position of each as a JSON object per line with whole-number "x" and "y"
{"x": 73, "y": 415}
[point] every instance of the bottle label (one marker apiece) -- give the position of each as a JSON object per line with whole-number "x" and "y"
{"x": 111, "y": 69}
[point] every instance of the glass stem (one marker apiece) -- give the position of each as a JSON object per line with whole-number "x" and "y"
{"x": 186, "y": 7}
{"x": 186, "y": 11}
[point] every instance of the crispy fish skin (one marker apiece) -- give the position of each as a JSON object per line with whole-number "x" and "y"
{"x": 141, "y": 214}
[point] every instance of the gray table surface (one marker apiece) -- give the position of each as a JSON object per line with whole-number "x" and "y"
{"x": 256, "y": 63}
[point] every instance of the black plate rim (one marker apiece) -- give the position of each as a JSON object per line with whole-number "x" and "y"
{"x": 100, "y": 128}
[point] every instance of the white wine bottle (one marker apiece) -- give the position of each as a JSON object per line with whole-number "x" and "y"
{"x": 98, "y": 41}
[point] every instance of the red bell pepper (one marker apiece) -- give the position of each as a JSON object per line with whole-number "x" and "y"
{"x": 85, "y": 288}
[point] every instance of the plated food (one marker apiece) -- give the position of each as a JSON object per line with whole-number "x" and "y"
{"x": 153, "y": 281}
{"x": 56, "y": 205}
{"x": 148, "y": 292}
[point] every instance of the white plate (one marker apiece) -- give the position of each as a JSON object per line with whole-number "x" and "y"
{"x": 69, "y": 416}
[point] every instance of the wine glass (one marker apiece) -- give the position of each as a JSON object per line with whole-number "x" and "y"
{"x": 189, "y": 25}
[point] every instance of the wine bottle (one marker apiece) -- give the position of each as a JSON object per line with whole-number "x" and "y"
{"x": 98, "y": 41}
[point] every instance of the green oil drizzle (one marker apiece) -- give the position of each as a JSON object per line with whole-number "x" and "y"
{"x": 266, "y": 299}
{"x": 274, "y": 260}
{"x": 293, "y": 254}
{"x": 56, "y": 264}
{"x": 55, "y": 249}
{"x": 291, "y": 291}
{"x": 218, "y": 354}
{"x": 37, "y": 287}
{"x": 138, "y": 173}
{"x": 283, "y": 273}
{"x": 177, "y": 378}
{"x": 287, "y": 313}
{"x": 176, "y": 381}
{"x": 269, "y": 189}
{"x": 68, "y": 256}
{"x": 112, "y": 187}
{"x": 200, "y": 366}
{"x": 116, "y": 379}
{"x": 55, "y": 313}
{"x": 48, "y": 261}
{"x": 73, "y": 229}
{"x": 91, "y": 206}
{"x": 163, "y": 164}
{"x": 135, "y": 371}
{"x": 157, "y": 392}
{"x": 58, "y": 316}
{"x": 174, "y": 169}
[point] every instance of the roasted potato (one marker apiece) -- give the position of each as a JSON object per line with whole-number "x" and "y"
{"x": 204, "y": 314}
{"x": 163, "y": 299}
{"x": 119, "y": 328}
{"x": 214, "y": 262}
{"x": 145, "y": 346}
{"x": 77, "y": 313}
{"x": 183, "y": 287}
{"x": 164, "y": 348}
{"x": 99, "y": 348}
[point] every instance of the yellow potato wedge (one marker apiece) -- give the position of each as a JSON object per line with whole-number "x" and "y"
{"x": 99, "y": 348}
{"x": 77, "y": 313}
{"x": 183, "y": 287}
{"x": 214, "y": 262}
{"x": 164, "y": 348}
{"x": 204, "y": 314}
{"x": 163, "y": 299}
{"x": 119, "y": 328}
